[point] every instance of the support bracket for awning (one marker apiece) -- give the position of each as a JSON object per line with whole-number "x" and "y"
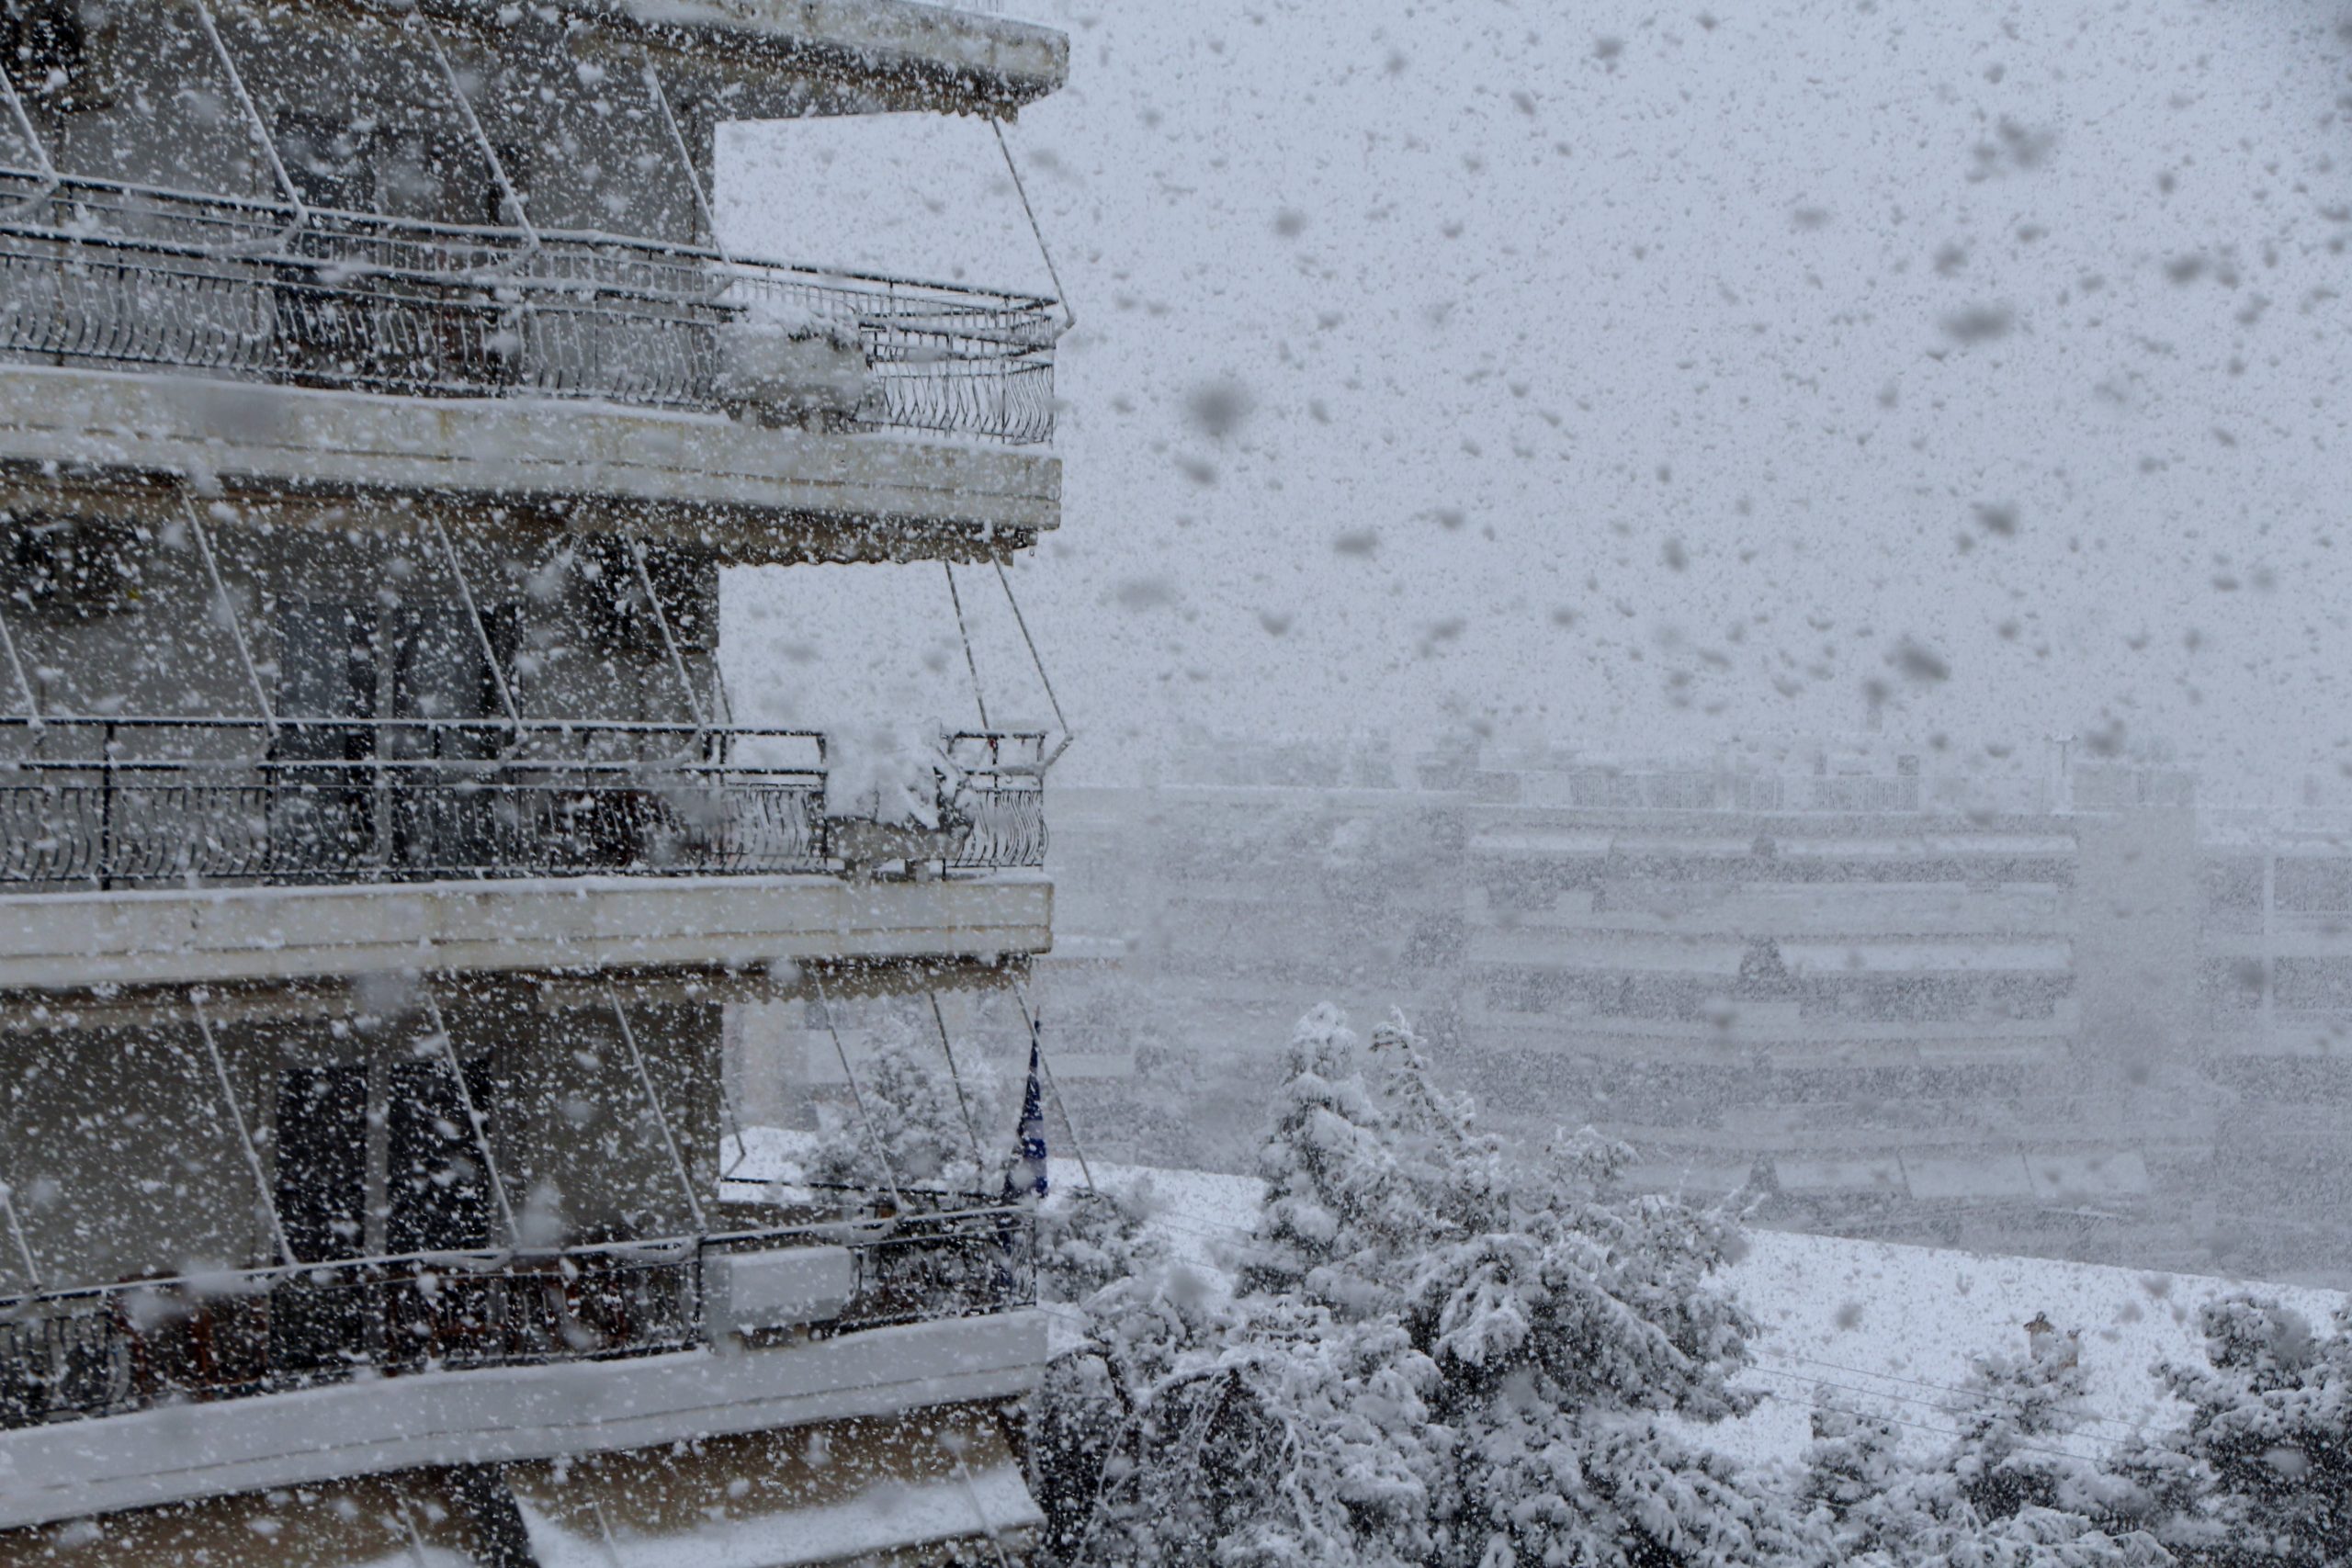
{"x": 661, "y": 1117}
{"x": 227, "y": 610}
{"x": 669, "y": 638}
{"x": 1045, "y": 763}
{"x": 898, "y": 1200}
{"x": 259, "y": 127}
{"x": 482, "y": 632}
{"x": 17, "y": 1233}
{"x": 474, "y": 1119}
{"x": 964, "y": 631}
{"x": 8, "y": 647}
{"x": 506, "y": 187}
{"x": 244, "y": 1131}
{"x": 956, "y": 1077}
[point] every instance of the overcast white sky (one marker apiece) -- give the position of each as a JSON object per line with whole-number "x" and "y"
{"x": 1652, "y": 378}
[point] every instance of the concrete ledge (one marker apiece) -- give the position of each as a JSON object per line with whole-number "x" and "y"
{"x": 58, "y": 941}
{"x": 999, "y": 61}
{"x": 505, "y": 1414}
{"x": 760, "y": 496}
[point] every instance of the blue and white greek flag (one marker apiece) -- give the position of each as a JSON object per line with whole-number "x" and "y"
{"x": 1027, "y": 1173}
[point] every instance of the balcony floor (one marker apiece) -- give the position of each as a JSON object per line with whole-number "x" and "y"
{"x": 56, "y": 941}
{"x": 759, "y": 495}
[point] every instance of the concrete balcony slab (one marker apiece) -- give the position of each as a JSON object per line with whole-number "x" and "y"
{"x": 508, "y": 1415}
{"x": 216, "y": 936}
{"x": 111, "y": 441}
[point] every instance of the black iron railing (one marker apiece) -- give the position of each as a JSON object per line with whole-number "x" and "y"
{"x": 124, "y": 803}
{"x": 125, "y": 276}
{"x": 118, "y": 1348}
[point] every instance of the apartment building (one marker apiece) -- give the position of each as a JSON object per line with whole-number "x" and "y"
{"x": 379, "y": 857}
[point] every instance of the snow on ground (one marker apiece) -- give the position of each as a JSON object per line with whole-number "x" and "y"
{"x": 1891, "y": 1328}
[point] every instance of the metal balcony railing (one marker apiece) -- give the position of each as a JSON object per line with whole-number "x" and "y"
{"x": 121, "y": 276}
{"x": 112, "y": 1350}
{"x": 94, "y": 803}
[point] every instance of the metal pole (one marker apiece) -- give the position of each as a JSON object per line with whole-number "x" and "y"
{"x": 17, "y": 1233}
{"x": 481, "y": 633}
{"x": 245, "y": 1133}
{"x": 482, "y": 140}
{"x": 51, "y": 178}
{"x": 971, "y": 1129}
{"x": 888, "y": 1176}
{"x": 1037, "y": 1038}
{"x": 662, "y": 619}
{"x": 955, "y": 1447}
{"x": 686, "y": 156}
{"x": 259, "y": 127}
{"x": 1070, "y": 316}
{"x": 228, "y": 611}
{"x": 964, "y": 632}
{"x": 661, "y": 1119}
{"x": 466, "y": 1101}
{"x": 1043, "y": 680}
{"x": 8, "y": 643}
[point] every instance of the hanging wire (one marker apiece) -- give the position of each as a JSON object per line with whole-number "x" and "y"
{"x": 964, "y": 632}
{"x": 1037, "y": 1041}
{"x": 1043, "y": 680}
{"x": 898, "y": 1200}
{"x": 1070, "y": 315}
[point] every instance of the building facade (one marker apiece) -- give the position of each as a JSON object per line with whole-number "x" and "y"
{"x": 380, "y": 858}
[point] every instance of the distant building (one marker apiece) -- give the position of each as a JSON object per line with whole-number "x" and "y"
{"x": 2052, "y": 1014}
{"x": 380, "y": 858}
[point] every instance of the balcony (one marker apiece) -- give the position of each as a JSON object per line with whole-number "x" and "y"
{"x": 109, "y": 1351}
{"x": 304, "y": 353}
{"x": 92, "y": 802}
{"x": 131, "y": 278}
{"x": 189, "y": 850}
{"x": 501, "y": 1355}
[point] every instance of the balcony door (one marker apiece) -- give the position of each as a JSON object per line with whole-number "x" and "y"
{"x": 386, "y": 737}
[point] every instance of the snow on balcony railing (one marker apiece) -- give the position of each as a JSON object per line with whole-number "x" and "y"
{"x": 127, "y": 802}
{"x": 132, "y": 278}
{"x": 111, "y": 1350}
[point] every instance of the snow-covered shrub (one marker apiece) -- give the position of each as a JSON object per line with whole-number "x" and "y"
{"x": 2260, "y": 1472}
{"x": 931, "y": 1136}
{"x": 2006, "y": 1492}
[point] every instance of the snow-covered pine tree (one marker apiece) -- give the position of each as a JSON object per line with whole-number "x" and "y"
{"x": 1571, "y": 1347}
{"x": 2260, "y": 1472}
{"x": 1337, "y": 1211}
